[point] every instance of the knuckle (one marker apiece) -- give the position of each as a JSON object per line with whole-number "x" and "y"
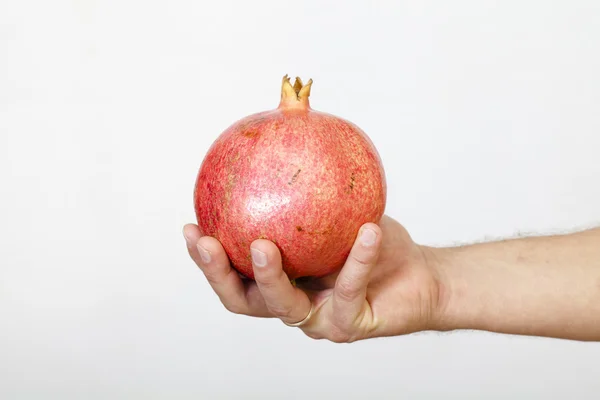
{"x": 346, "y": 290}
{"x": 267, "y": 281}
{"x": 362, "y": 258}
{"x": 211, "y": 276}
{"x": 281, "y": 311}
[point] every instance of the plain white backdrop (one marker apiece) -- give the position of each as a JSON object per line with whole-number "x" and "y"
{"x": 486, "y": 115}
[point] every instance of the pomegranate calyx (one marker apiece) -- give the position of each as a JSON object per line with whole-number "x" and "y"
{"x": 295, "y": 96}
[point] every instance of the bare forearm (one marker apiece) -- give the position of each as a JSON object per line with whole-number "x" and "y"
{"x": 542, "y": 286}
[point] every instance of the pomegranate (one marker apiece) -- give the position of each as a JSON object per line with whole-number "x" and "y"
{"x": 303, "y": 179}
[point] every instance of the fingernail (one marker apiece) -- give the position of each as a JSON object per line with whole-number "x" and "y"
{"x": 368, "y": 237}
{"x": 259, "y": 258}
{"x": 187, "y": 241}
{"x": 204, "y": 254}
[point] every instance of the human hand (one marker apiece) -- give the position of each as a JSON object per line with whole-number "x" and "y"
{"x": 388, "y": 286}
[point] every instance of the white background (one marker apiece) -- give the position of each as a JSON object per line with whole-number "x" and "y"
{"x": 486, "y": 115}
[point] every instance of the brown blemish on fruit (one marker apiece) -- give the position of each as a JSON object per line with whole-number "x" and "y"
{"x": 294, "y": 177}
{"x": 251, "y": 133}
{"x": 299, "y": 228}
{"x": 350, "y": 187}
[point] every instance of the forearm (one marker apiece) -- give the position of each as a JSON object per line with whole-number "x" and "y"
{"x": 542, "y": 286}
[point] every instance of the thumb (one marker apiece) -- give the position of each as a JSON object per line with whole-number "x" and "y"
{"x": 350, "y": 290}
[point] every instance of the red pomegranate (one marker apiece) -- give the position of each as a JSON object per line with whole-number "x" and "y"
{"x": 303, "y": 179}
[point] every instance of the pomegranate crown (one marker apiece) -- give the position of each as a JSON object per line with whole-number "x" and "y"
{"x": 295, "y": 96}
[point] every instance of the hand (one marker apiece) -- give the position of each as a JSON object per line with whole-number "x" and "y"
{"x": 388, "y": 286}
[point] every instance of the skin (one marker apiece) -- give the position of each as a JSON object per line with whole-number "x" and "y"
{"x": 389, "y": 286}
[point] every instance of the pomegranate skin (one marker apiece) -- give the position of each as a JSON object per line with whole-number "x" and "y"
{"x": 303, "y": 179}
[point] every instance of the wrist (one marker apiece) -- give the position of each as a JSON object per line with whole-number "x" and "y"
{"x": 452, "y": 309}
{"x": 438, "y": 261}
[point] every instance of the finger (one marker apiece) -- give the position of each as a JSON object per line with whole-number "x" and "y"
{"x": 211, "y": 258}
{"x": 350, "y": 291}
{"x": 285, "y": 301}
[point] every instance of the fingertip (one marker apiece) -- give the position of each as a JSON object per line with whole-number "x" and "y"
{"x": 369, "y": 235}
{"x": 191, "y": 233}
{"x": 266, "y": 260}
{"x": 266, "y": 247}
{"x": 211, "y": 245}
{"x": 373, "y": 226}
